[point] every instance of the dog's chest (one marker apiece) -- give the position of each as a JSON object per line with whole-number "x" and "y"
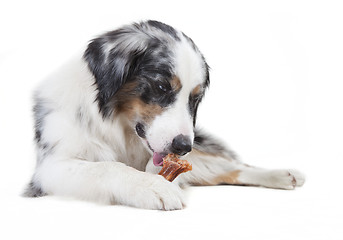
{"x": 135, "y": 156}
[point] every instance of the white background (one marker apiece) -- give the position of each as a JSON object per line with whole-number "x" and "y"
{"x": 276, "y": 97}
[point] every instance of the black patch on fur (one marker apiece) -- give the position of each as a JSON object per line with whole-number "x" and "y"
{"x": 157, "y": 92}
{"x": 193, "y": 104}
{"x": 32, "y": 190}
{"x": 40, "y": 111}
{"x": 110, "y": 72}
{"x": 207, "y": 73}
{"x": 208, "y": 144}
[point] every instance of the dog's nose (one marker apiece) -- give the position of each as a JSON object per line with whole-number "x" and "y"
{"x": 181, "y": 145}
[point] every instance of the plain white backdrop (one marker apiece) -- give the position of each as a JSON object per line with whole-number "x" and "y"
{"x": 276, "y": 98}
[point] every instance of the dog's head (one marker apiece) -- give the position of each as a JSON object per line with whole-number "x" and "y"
{"x": 155, "y": 76}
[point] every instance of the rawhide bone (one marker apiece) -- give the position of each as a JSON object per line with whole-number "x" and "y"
{"x": 173, "y": 167}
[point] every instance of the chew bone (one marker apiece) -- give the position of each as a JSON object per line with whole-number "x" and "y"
{"x": 173, "y": 167}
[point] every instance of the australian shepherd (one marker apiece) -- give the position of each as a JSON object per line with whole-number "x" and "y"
{"x": 105, "y": 120}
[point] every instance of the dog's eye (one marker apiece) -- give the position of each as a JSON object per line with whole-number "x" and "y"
{"x": 162, "y": 88}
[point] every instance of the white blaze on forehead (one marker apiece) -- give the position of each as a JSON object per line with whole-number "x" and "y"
{"x": 190, "y": 69}
{"x": 189, "y": 65}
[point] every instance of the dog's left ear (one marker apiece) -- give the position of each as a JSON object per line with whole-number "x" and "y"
{"x": 113, "y": 61}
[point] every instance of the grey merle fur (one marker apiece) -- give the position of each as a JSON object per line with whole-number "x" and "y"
{"x": 120, "y": 56}
{"x": 135, "y": 52}
{"x": 206, "y": 143}
{"x": 40, "y": 110}
{"x": 33, "y": 190}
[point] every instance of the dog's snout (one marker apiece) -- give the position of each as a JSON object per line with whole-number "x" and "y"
{"x": 181, "y": 145}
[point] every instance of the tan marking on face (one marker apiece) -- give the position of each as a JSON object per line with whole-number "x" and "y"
{"x": 176, "y": 83}
{"x": 197, "y": 90}
{"x": 136, "y": 108}
{"x": 129, "y": 104}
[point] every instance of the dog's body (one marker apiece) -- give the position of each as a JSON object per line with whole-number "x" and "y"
{"x": 105, "y": 121}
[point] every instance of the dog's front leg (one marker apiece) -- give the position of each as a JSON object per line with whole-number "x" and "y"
{"x": 108, "y": 182}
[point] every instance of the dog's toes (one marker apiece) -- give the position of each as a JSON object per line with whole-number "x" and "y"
{"x": 159, "y": 194}
{"x": 285, "y": 179}
{"x": 298, "y": 177}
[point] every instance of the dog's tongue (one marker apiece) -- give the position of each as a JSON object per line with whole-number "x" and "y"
{"x": 157, "y": 159}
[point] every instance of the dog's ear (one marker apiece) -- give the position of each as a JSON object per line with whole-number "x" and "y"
{"x": 113, "y": 60}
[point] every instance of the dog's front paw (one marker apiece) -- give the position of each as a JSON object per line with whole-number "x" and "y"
{"x": 154, "y": 192}
{"x": 285, "y": 179}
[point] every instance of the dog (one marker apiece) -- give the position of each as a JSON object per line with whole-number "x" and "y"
{"x": 105, "y": 120}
